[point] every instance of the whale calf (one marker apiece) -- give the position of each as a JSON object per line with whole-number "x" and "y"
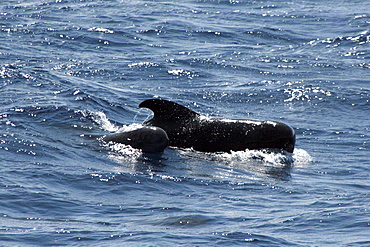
{"x": 188, "y": 129}
{"x": 149, "y": 139}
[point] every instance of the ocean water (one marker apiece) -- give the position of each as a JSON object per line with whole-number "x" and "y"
{"x": 74, "y": 70}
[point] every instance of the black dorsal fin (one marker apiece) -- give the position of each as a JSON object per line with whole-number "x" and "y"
{"x": 168, "y": 110}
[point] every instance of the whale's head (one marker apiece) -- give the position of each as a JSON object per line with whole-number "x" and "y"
{"x": 279, "y": 135}
{"x": 288, "y": 140}
{"x": 149, "y": 139}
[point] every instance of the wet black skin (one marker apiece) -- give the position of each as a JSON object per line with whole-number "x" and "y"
{"x": 188, "y": 129}
{"x": 147, "y": 138}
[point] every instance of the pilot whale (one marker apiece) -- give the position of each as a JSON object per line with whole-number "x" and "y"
{"x": 147, "y": 138}
{"x": 188, "y": 129}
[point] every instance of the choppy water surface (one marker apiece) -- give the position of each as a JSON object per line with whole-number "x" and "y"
{"x": 72, "y": 71}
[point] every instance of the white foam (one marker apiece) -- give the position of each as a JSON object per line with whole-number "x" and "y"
{"x": 238, "y": 166}
{"x": 123, "y": 154}
{"x": 301, "y": 158}
{"x": 101, "y": 119}
{"x": 100, "y": 29}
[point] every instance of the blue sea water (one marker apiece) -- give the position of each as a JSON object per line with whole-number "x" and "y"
{"x": 74, "y": 70}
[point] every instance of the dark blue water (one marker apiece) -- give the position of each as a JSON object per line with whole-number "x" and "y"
{"x": 72, "y": 71}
